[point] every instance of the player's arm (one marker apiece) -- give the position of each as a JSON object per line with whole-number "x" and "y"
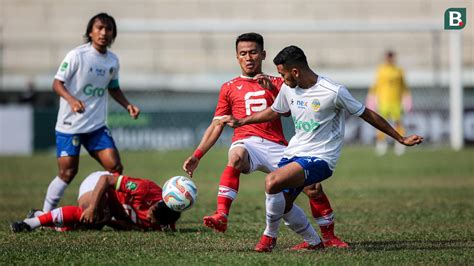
{"x": 60, "y": 89}
{"x": 381, "y": 124}
{"x": 120, "y": 98}
{"x": 91, "y": 213}
{"x": 208, "y": 140}
{"x": 266, "y": 115}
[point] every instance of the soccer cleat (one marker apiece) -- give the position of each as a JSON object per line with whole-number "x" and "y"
{"x": 32, "y": 212}
{"x": 306, "y": 246}
{"x": 217, "y": 221}
{"x": 19, "y": 226}
{"x": 330, "y": 239}
{"x": 335, "y": 242}
{"x": 266, "y": 244}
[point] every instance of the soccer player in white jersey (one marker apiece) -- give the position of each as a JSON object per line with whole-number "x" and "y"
{"x": 82, "y": 81}
{"x": 317, "y": 107}
{"x": 257, "y": 147}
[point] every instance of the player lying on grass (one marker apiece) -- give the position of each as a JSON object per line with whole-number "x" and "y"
{"x": 317, "y": 106}
{"x": 122, "y": 202}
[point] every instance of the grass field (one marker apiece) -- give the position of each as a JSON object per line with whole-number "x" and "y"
{"x": 415, "y": 209}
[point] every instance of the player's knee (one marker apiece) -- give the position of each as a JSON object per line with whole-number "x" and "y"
{"x": 314, "y": 191}
{"x": 271, "y": 184}
{"x": 68, "y": 174}
{"x": 117, "y": 168}
{"x": 236, "y": 161}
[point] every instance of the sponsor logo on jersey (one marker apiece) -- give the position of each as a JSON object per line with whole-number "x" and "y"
{"x": 64, "y": 66}
{"x": 306, "y": 126}
{"x": 315, "y": 105}
{"x": 100, "y": 72}
{"x": 131, "y": 185}
{"x": 89, "y": 90}
{"x": 301, "y": 104}
{"x": 240, "y": 87}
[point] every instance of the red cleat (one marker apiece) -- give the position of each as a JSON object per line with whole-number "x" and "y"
{"x": 217, "y": 221}
{"x": 306, "y": 246}
{"x": 335, "y": 242}
{"x": 266, "y": 244}
{"x": 330, "y": 239}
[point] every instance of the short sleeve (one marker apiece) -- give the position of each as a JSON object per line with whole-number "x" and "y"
{"x": 345, "y": 100}
{"x": 281, "y": 104}
{"x": 223, "y": 106}
{"x": 68, "y": 67}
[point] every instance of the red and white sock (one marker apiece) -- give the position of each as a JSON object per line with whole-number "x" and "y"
{"x": 228, "y": 188}
{"x": 323, "y": 214}
{"x": 64, "y": 217}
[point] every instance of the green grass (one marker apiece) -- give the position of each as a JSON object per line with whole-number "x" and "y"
{"x": 414, "y": 209}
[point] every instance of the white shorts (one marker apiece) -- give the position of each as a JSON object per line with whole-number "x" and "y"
{"x": 264, "y": 155}
{"x": 89, "y": 182}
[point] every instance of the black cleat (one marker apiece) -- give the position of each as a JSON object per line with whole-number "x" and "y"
{"x": 31, "y": 213}
{"x": 19, "y": 226}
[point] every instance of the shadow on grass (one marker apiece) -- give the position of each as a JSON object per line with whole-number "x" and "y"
{"x": 371, "y": 246}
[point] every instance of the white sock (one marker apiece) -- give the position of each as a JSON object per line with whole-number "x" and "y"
{"x": 275, "y": 207}
{"x": 297, "y": 221}
{"x": 33, "y": 222}
{"x": 55, "y": 191}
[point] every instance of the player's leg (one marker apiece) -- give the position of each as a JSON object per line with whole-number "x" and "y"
{"x": 323, "y": 214}
{"x": 67, "y": 151}
{"x": 288, "y": 176}
{"x": 381, "y": 144}
{"x": 101, "y": 147}
{"x": 297, "y": 221}
{"x": 228, "y": 187}
{"x": 63, "y": 218}
{"x": 292, "y": 176}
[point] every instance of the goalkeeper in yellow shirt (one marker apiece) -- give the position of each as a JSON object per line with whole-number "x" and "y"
{"x": 391, "y": 98}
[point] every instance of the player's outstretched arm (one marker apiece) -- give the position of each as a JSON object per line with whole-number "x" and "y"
{"x": 208, "y": 140}
{"x": 263, "y": 116}
{"x": 381, "y": 124}
{"x": 60, "y": 89}
{"x": 91, "y": 214}
{"x": 119, "y": 97}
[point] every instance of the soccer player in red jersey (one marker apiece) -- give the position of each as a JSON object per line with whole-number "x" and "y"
{"x": 122, "y": 202}
{"x": 255, "y": 147}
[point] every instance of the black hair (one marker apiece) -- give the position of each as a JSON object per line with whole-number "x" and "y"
{"x": 250, "y": 37}
{"x": 164, "y": 215}
{"x": 291, "y": 56}
{"x": 105, "y": 18}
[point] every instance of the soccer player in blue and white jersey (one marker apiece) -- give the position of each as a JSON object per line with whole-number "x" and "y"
{"x": 83, "y": 79}
{"x": 317, "y": 106}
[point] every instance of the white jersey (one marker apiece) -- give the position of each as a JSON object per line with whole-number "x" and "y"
{"x": 318, "y": 115}
{"x": 87, "y": 74}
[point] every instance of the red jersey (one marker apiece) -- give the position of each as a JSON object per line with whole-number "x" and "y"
{"x": 242, "y": 97}
{"x": 137, "y": 195}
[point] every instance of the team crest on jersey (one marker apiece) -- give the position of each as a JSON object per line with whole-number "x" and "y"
{"x": 75, "y": 141}
{"x": 111, "y": 70}
{"x": 131, "y": 185}
{"x": 315, "y": 105}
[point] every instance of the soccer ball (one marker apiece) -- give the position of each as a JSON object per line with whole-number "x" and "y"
{"x": 179, "y": 193}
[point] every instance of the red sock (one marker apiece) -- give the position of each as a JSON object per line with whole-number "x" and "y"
{"x": 323, "y": 213}
{"x": 228, "y": 188}
{"x": 61, "y": 217}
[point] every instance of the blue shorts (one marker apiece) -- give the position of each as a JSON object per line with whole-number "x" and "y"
{"x": 315, "y": 171}
{"x": 70, "y": 144}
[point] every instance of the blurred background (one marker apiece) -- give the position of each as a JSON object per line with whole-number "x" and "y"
{"x": 175, "y": 55}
